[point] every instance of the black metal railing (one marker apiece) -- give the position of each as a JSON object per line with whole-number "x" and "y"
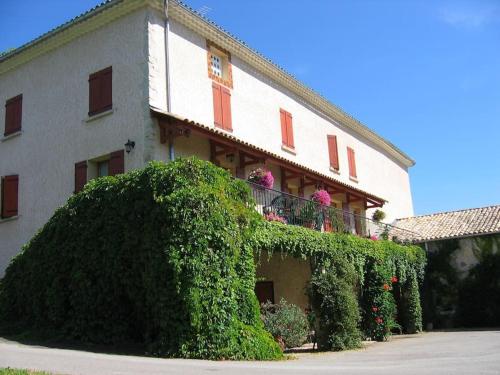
{"x": 293, "y": 210}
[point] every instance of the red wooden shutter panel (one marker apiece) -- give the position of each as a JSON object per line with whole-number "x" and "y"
{"x": 226, "y": 109}
{"x": 13, "y": 114}
{"x": 101, "y": 91}
{"x": 217, "y": 94}
{"x": 10, "y": 186}
{"x": 289, "y": 130}
{"x": 94, "y": 93}
{"x": 333, "y": 151}
{"x": 116, "y": 163}
{"x": 284, "y": 138}
{"x": 106, "y": 89}
{"x": 352, "y": 162}
{"x": 80, "y": 175}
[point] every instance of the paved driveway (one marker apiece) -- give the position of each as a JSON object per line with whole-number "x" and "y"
{"x": 473, "y": 352}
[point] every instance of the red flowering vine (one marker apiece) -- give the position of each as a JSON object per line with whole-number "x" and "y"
{"x": 394, "y": 279}
{"x": 386, "y": 287}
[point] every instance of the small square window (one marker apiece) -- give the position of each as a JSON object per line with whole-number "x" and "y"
{"x": 219, "y": 65}
{"x": 216, "y": 65}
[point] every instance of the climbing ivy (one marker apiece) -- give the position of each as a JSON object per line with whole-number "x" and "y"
{"x": 157, "y": 256}
{"x": 375, "y": 266}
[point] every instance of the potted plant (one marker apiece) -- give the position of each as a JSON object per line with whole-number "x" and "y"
{"x": 378, "y": 216}
{"x": 262, "y": 177}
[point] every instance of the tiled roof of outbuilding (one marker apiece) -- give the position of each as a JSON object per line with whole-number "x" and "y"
{"x": 453, "y": 224}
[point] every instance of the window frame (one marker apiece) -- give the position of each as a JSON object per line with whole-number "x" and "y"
{"x": 226, "y": 78}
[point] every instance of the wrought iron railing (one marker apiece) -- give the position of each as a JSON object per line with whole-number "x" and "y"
{"x": 293, "y": 210}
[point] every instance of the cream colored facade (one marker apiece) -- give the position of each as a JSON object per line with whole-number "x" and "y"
{"x": 129, "y": 35}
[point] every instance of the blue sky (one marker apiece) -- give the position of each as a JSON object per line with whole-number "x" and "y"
{"x": 423, "y": 74}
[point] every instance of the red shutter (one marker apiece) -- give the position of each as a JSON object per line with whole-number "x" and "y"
{"x": 226, "y": 109}
{"x": 10, "y": 186}
{"x": 352, "y": 162}
{"x": 289, "y": 130}
{"x": 106, "y": 89}
{"x": 101, "y": 91}
{"x": 116, "y": 163}
{"x": 80, "y": 175}
{"x": 284, "y": 138}
{"x": 217, "y": 93}
{"x": 94, "y": 93}
{"x": 333, "y": 151}
{"x": 13, "y": 114}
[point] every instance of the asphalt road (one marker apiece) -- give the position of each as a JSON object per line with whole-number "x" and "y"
{"x": 472, "y": 352}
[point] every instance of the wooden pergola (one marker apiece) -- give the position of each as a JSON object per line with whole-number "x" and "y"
{"x": 225, "y": 144}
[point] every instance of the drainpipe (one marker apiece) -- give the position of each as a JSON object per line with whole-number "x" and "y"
{"x": 171, "y": 150}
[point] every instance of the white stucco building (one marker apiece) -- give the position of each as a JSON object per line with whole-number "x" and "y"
{"x": 125, "y": 73}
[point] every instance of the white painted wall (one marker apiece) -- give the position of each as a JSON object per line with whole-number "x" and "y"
{"x": 55, "y": 105}
{"x": 255, "y": 104}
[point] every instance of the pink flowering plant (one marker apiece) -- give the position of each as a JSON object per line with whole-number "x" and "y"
{"x": 322, "y": 197}
{"x": 262, "y": 177}
{"x": 271, "y": 216}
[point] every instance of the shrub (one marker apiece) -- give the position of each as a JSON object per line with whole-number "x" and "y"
{"x": 379, "y": 306}
{"x": 157, "y": 256}
{"x": 378, "y": 215}
{"x": 335, "y": 307}
{"x": 285, "y": 322}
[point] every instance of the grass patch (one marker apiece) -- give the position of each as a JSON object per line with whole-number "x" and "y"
{"x": 13, "y": 371}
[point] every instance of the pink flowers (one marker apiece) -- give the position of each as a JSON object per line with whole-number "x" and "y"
{"x": 379, "y": 320}
{"x": 262, "y": 177}
{"x": 271, "y": 216}
{"x": 322, "y": 197}
{"x": 394, "y": 279}
{"x": 374, "y": 308}
{"x": 374, "y": 238}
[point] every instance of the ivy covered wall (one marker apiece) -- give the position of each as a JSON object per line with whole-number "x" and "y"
{"x": 352, "y": 274}
{"x": 164, "y": 257}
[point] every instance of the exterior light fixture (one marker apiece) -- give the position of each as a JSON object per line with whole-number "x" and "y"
{"x": 129, "y": 146}
{"x": 230, "y": 157}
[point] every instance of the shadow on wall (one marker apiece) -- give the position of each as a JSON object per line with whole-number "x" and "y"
{"x": 462, "y": 283}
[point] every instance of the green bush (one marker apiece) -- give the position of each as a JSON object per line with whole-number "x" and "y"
{"x": 157, "y": 256}
{"x": 373, "y": 264}
{"x": 333, "y": 299}
{"x": 379, "y": 306}
{"x": 286, "y": 322}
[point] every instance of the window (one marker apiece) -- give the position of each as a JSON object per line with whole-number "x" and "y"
{"x": 216, "y": 65}
{"x": 13, "y": 115}
{"x": 352, "y": 163}
{"x": 264, "y": 290}
{"x": 222, "y": 107}
{"x": 103, "y": 168}
{"x": 333, "y": 152}
{"x": 100, "y": 91}
{"x": 107, "y": 165}
{"x": 219, "y": 65}
{"x": 286, "y": 129}
{"x": 10, "y": 186}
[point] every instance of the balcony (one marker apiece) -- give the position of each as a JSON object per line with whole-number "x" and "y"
{"x": 294, "y": 210}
